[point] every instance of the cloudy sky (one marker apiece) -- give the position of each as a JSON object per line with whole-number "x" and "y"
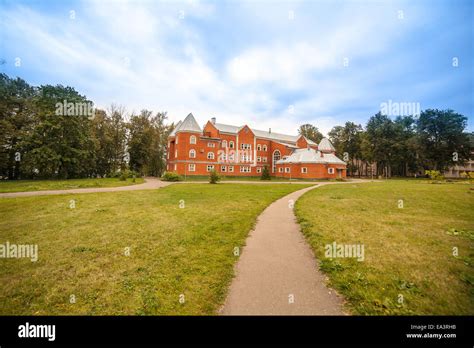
{"x": 263, "y": 63}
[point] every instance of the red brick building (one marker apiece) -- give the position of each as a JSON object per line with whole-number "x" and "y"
{"x": 243, "y": 151}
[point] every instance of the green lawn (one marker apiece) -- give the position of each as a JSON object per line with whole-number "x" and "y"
{"x": 173, "y": 251}
{"x": 408, "y": 250}
{"x": 41, "y": 185}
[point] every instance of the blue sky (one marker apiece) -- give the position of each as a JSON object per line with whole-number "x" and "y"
{"x": 275, "y": 64}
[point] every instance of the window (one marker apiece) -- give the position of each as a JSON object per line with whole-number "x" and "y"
{"x": 259, "y": 169}
{"x": 192, "y": 153}
{"x": 192, "y": 167}
{"x": 259, "y": 159}
{"x": 210, "y": 155}
{"x": 245, "y": 158}
{"x": 231, "y": 169}
{"x": 211, "y": 144}
{"x": 259, "y": 147}
{"x": 331, "y": 170}
{"x": 280, "y": 170}
{"x": 264, "y": 147}
{"x": 264, "y": 159}
{"x": 245, "y": 146}
{"x": 223, "y": 169}
{"x": 231, "y": 144}
{"x": 304, "y": 170}
{"x": 175, "y": 167}
{"x": 222, "y": 156}
{"x": 276, "y": 157}
{"x": 192, "y": 139}
{"x": 244, "y": 169}
{"x": 287, "y": 169}
{"x": 224, "y": 143}
{"x": 210, "y": 168}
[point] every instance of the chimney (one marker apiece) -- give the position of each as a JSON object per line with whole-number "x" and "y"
{"x": 213, "y": 120}
{"x": 269, "y": 130}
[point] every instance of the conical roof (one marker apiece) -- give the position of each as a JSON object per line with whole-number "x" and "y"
{"x": 326, "y": 146}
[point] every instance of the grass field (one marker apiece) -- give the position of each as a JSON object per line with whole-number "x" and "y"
{"x": 409, "y": 230}
{"x": 41, "y": 185}
{"x": 174, "y": 251}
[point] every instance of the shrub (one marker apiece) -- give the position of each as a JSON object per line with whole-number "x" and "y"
{"x": 170, "y": 176}
{"x": 265, "y": 174}
{"x": 123, "y": 176}
{"x": 434, "y": 174}
{"x": 214, "y": 177}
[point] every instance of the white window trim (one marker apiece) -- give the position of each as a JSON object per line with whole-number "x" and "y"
{"x": 264, "y": 147}
{"x": 280, "y": 170}
{"x": 259, "y": 147}
{"x": 209, "y": 168}
{"x": 259, "y": 169}
{"x": 304, "y": 170}
{"x": 210, "y": 155}
{"x": 192, "y": 139}
{"x": 330, "y": 170}
{"x": 193, "y": 152}
{"x": 259, "y": 159}
{"x": 287, "y": 170}
{"x": 231, "y": 144}
{"x": 191, "y": 167}
{"x": 223, "y": 169}
{"x": 231, "y": 169}
{"x": 224, "y": 143}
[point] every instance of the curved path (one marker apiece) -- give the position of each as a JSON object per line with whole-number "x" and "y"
{"x": 149, "y": 184}
{"x": 277, "y": 273}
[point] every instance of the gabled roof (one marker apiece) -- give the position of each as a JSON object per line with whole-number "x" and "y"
{"x": 309, "y": 141}
{"x": 311, "y": 156}
{"x": 189, "y": 124}
{"x": 326, "y": 146}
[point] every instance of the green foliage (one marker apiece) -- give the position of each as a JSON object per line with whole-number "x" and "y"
{"x": 39, "y": 139}
{"x": 310, "y": 132}
{"x": 123, "y": 176}
{"x": 170, "y": 176}
{"x": 265, "y": 174}
{"x": 434, "y": 174}
{"x": 213, "y": 177}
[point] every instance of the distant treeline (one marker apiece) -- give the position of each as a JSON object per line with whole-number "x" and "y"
{"x": 407, "y": 145}
{"x": 53, "y": 132}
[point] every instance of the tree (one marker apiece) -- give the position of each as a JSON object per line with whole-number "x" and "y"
{"x": 213, "y": 177}
{"x": 16, "y": 121}
{"x": 442, "y": 139}
{"x": 118, "y": 135}
{"x": 347, "y": 142}
{"x": 60, "y": 142}
{"x": 311, "y": 132}
{"x": 265, "y": 174}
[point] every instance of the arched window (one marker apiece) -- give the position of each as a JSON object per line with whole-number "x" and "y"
{"x": 192, "y": 139}
{"x": 210, "y": 155}
{"x": 224, "y": 143}
{"x": 264, "y": 147}
{"x": 276, "y": 157}
{"x": 192, "y": 153}
{"x": 231, "y": 144}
